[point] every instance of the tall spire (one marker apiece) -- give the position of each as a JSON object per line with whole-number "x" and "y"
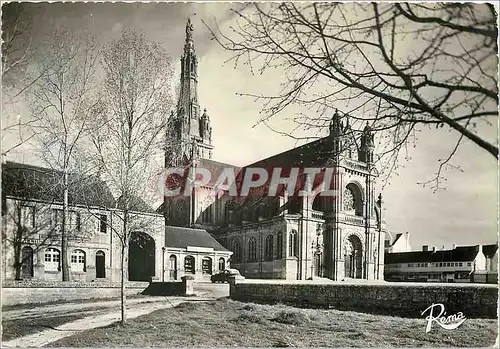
{"x": 192, "y": 129}
{"x": 188, "y": 98}
{"x": 189, "y": 35}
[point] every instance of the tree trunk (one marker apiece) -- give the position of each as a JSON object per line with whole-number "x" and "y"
{"x": 17, "y": 259}
{"x": 124, "y": 259}
{"x": 64, "y": 245}
{"x": 122, "y": 286}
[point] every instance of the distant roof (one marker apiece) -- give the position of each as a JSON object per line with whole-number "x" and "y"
{"x": 136, "y": 204}
{"x": 183, "y": 237}
{"x": 398, "y": 235}
{"x": 216, "y": 168}
{"x": 459, "y": 254}
{"x": 208, "y": 163}
{"x": 317, "y": 153}
{"x": 490, "y": 250}
{"x": 39, "y": 183}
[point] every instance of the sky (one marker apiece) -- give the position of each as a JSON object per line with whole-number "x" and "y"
{"x": 465, "y": 213}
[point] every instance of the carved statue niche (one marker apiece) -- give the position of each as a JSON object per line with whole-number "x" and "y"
{"x": 319, "y": 238}
{"x": 189, "y": 30}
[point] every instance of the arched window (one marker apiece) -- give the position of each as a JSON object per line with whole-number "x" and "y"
{"x": 293, "y": 244}
{"x": 252, "y": 250}
{"x": 222, "y": 264}
{"x": 52, "y": 260}
{"x": 353, "y": 201}
{"x": 258, "y": 213}
{"x": 228, "y": 211}
{"x": 322, "y": 203}
{"x": 279, "y": 246}
{"x": 206, "y": 265}
{"x": 172, "y": 267}
{"x": 236, "y": 248}
{"x": 269, "y": 250}
{"x": 245, "y": 215}
{"x": 78, "y": 261}
{"x": 189, "y": 265}
{"x": 207, "y": 214}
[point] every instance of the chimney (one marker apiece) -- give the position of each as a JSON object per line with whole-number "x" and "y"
{"x": 425, "y": 248}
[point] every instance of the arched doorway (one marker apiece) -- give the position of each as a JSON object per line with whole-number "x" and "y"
{"x": 173, "y": 267}
{"x": 100, "y": 265}
{"x": 141, "y": 257}
{"x": 353, "y": 258}
{"x": 222, "y": 264}
{"x": 27, "y": 262}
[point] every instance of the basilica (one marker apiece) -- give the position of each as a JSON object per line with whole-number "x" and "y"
{"x": 272, "y": 232}
{"x": 285, "y": 235}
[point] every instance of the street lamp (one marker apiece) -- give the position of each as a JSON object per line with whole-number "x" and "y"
{"x": 163, "y": 264}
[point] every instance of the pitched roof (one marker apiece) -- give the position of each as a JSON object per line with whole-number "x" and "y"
{"x": 39, "y": 183}
{"x": 310, "y": 154}
{"x": 459, "y": 254}
{"x": 398, "y": 235}
{"x": 136, "y": 204}
{"x": 183, "y": 237}
{"x": 490, "y": 250}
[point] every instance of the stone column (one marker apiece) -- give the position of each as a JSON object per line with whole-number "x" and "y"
{"x": 38, "y": 266}
{"x": 188, "y": 285}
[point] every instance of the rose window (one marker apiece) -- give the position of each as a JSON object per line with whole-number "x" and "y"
{"x": 348, "y": 200}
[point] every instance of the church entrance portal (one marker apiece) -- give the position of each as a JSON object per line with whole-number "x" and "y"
{"x": 353, "y": 258}
{"x": 141, "y": 257}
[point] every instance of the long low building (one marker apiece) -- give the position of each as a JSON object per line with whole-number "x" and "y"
{"x": 32, "y": 213}
{"x": 477, "y": 263}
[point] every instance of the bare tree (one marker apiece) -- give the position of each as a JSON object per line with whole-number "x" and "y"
{"x": 400, "y": 67}
{"x": 31, "y": 197}
{"x": 30, "y": 226}
{"x": 131, "y": 126}
{"x": 17, "y": 51}
{"x": 62, "y": 102}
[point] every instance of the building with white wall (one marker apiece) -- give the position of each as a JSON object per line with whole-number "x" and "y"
{"x": 477, "y": 263}
{"x": 31, "y": 233}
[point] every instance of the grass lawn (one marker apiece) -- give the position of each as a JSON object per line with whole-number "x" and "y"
{"x": 226, "y": 323}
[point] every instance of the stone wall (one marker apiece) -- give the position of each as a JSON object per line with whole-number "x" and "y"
{"x": 27, "y": 292}
{"x": 407, "y": 300}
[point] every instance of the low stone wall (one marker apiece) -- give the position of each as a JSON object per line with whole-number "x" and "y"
{"x": 27, "y": 292}
{"x": 398, "y": 299}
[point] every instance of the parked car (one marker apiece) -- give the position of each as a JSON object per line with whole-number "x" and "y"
{"x": 223, "y": 276}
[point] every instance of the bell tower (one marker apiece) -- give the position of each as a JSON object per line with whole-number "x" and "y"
{"x": 189, "y": 134}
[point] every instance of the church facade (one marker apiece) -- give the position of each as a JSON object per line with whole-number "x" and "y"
{"x": 277, "y": 232}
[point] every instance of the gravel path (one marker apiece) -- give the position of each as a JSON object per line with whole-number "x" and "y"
{"x": 106, "y": 313}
